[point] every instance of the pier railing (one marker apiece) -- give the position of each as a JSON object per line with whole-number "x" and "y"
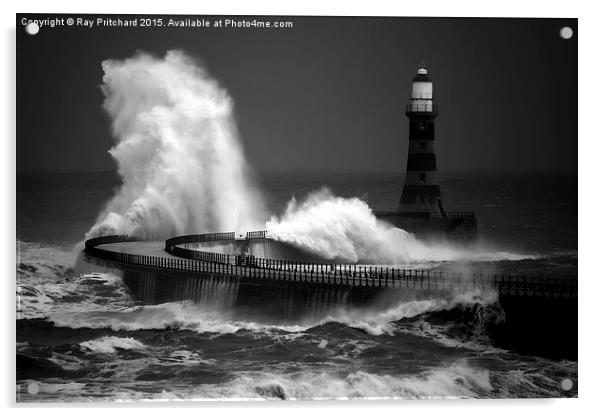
{"x": 460, "y": 214}
{"x": 91, "y": 245}
{"x": 256, "y": 234}
{"x": 246, "y": 266}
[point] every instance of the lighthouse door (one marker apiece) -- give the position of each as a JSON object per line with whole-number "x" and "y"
{"x": 441, "y": 210}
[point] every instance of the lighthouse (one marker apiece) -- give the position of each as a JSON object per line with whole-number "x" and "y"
{"x": 421, "y": 194}
{"x": 420, "y": 210}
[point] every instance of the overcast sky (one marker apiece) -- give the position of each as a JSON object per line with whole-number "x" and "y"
{"x": 327, "y": 94}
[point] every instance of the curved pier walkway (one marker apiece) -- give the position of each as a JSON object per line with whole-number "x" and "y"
{"x": 147, "y": 248}
{"x": 174, "y": 255}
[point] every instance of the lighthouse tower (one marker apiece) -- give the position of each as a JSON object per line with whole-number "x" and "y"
{"x": 420, "y": 210}
{"x": 421, "y": 194}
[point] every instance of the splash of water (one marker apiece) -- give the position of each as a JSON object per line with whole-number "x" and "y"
{"x": 177, "y": 150}
{"x": 345, "y": 229}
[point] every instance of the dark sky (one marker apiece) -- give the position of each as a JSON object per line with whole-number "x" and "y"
{"x": 326, "y": 95}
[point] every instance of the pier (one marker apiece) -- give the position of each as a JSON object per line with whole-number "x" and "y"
{"x": 174, "y": 255}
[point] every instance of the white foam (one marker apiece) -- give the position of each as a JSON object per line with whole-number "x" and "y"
{"x": 111, "y": 344}
{"x": 426, "y": 330}
{"x": 186, "y": 357}
{"x": 458, "y": 379}
{"x": 177, "y": 315}
{"x": 72, "y": 296}
{"x": 455, "y": 381}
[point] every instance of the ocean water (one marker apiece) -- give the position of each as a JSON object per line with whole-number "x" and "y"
{"x": 83, "y": 336}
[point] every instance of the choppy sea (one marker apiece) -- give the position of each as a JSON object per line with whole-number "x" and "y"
{"x": 83, "y": 336}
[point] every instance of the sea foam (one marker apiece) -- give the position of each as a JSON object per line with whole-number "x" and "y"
{"x": 111, "y": 344}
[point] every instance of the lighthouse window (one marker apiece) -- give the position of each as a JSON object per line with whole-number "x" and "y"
{"x": 422, "y": 176}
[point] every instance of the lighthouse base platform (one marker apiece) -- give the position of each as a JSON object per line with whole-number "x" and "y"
{"x": 460, "y": 226}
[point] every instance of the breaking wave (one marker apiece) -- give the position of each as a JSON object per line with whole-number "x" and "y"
{"x": 202, "y": 318}
{"x": 378, "y": 322}
{"x": 183, "y": 315}
{"x": 111, "y": 344}
{"x": 345, "y": 229}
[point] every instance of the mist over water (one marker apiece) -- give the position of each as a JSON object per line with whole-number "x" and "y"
{"x": 177, "y": 150}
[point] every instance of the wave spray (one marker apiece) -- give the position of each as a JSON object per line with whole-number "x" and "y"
{"x": 177, "y": 150}
{"x": 345, "y": 229}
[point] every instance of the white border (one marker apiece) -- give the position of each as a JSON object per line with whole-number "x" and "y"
{"x": 589, "y": 190}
